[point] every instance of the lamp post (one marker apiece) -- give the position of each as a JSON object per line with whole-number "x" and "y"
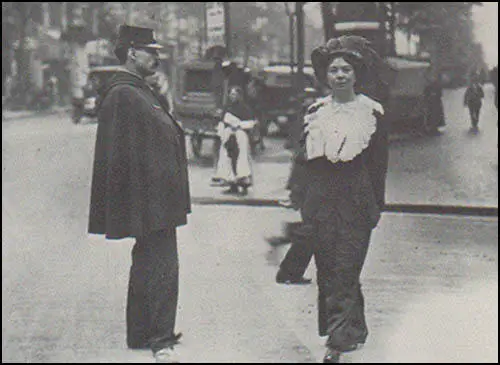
{"x": 227, "y": 27}
{"x": 291, "y": 17}
{"x": 296, "y": 125}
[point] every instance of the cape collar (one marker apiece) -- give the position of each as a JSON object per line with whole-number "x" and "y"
{"x": 127, "y": 77}
{"x": 341, "y": 132}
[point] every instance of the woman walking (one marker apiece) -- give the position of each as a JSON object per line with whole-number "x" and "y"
{"x": 345, "y": 151}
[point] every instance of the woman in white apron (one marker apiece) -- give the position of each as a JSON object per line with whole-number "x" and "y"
{"x": 234, "y": 163}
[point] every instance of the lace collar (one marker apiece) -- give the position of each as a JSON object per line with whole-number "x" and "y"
{"x": 341, "y": 132}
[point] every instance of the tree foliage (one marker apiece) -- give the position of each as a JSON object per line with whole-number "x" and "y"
{"x": 446, "y": 30}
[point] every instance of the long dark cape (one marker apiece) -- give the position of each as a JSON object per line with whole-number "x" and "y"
{"x": 140, "y": 177}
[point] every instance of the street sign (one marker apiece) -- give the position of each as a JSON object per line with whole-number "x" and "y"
{"x": 215, "y": 24}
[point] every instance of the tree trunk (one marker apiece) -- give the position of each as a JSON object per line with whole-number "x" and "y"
{"x": 23, "y": 77}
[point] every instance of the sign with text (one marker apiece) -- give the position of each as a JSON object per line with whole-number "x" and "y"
{"x": 215, "y": 24}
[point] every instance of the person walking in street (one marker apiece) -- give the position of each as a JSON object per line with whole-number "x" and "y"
{"x": 300, "y": 235}
{"x": 435, "y": 118}
{"x": 473, "y": 99}
{"x": 494, "y": 81}
{"x": 234, "y": 163}
{"x": 345, "y": 152}
{"x": 140, "y": 190}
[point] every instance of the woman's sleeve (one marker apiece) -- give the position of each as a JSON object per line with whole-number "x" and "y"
{"x": 378, "y": 158}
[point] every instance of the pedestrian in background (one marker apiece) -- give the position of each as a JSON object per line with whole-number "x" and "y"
{"x": 345, "y": 152}
{"x": 140, "y": 190}
{"x": 494, "y": 80}
{"x": 473, "y": 99}
{"x": 435, "y": 118}
{"x": 234, "y": 163}
{"x": 300, "y": 235}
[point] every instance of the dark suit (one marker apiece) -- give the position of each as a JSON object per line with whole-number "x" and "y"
{"x": 140, "y": 190}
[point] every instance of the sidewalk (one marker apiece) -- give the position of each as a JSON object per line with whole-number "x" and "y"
{"x": 406, "y": 191}
{"x": 8, "y": 115}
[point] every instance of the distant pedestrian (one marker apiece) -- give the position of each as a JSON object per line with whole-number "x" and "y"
{"x": 140, "y": 190}
{"x": 494, "y": 81}
{"x": 434, "y": 113}
{"x": 234, "y": 166}
{"x": 345, "y": 151}
{"x": 473, "y": 99}
{"x": 53, "y": 90}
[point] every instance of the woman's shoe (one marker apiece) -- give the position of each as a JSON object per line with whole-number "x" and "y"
{"x": 332, "y": 356}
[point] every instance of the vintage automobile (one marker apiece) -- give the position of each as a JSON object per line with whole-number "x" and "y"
{"x": 97, "y": 78}
{"x": 200, "y": 95}
{"x": 407, "y": 102}
{"x": 280, "y": 96}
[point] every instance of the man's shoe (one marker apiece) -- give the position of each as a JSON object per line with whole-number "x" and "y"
{"x": 281, "y": 279}
{"x": 332, "y": 356}
{"x": 167, "y": 355}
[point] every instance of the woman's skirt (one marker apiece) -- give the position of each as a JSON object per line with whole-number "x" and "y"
{"x": 340, "y": 252}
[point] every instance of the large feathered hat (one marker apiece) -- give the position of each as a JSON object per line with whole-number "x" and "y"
{"x": 355, "y": 48}
{"x": 358, "y": 51}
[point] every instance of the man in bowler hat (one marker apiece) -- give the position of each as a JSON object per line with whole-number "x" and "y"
{"x": 140, "y": 190}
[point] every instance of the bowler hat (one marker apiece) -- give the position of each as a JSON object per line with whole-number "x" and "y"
{"x": 136, "y": 37}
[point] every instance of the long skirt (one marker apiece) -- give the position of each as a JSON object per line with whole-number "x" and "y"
{"x": 340, "y": 252}
{"x": 234, "y": 163}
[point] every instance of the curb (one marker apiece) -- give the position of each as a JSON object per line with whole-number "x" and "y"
{"x": 31, "y": 114}
{"x": 389, "y": 208}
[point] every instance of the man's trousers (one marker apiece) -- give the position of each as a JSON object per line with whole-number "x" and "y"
{"x": 153, "y": 291}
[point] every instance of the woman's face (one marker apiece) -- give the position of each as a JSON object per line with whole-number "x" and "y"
{"x": 234, "y": 95}
{"x": 341, "y": 75}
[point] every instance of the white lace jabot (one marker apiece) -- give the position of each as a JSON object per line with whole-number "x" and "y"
{"x": 340, "y": 132}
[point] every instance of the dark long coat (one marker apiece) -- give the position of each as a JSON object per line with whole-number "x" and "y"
{"x": 353, "y": 190}
{"x": 140, "y": 178}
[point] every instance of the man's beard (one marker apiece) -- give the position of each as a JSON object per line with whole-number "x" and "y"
{"x": 147, "y": 71}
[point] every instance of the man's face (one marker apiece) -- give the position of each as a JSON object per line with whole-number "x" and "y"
{"x": 146, "y": 60}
